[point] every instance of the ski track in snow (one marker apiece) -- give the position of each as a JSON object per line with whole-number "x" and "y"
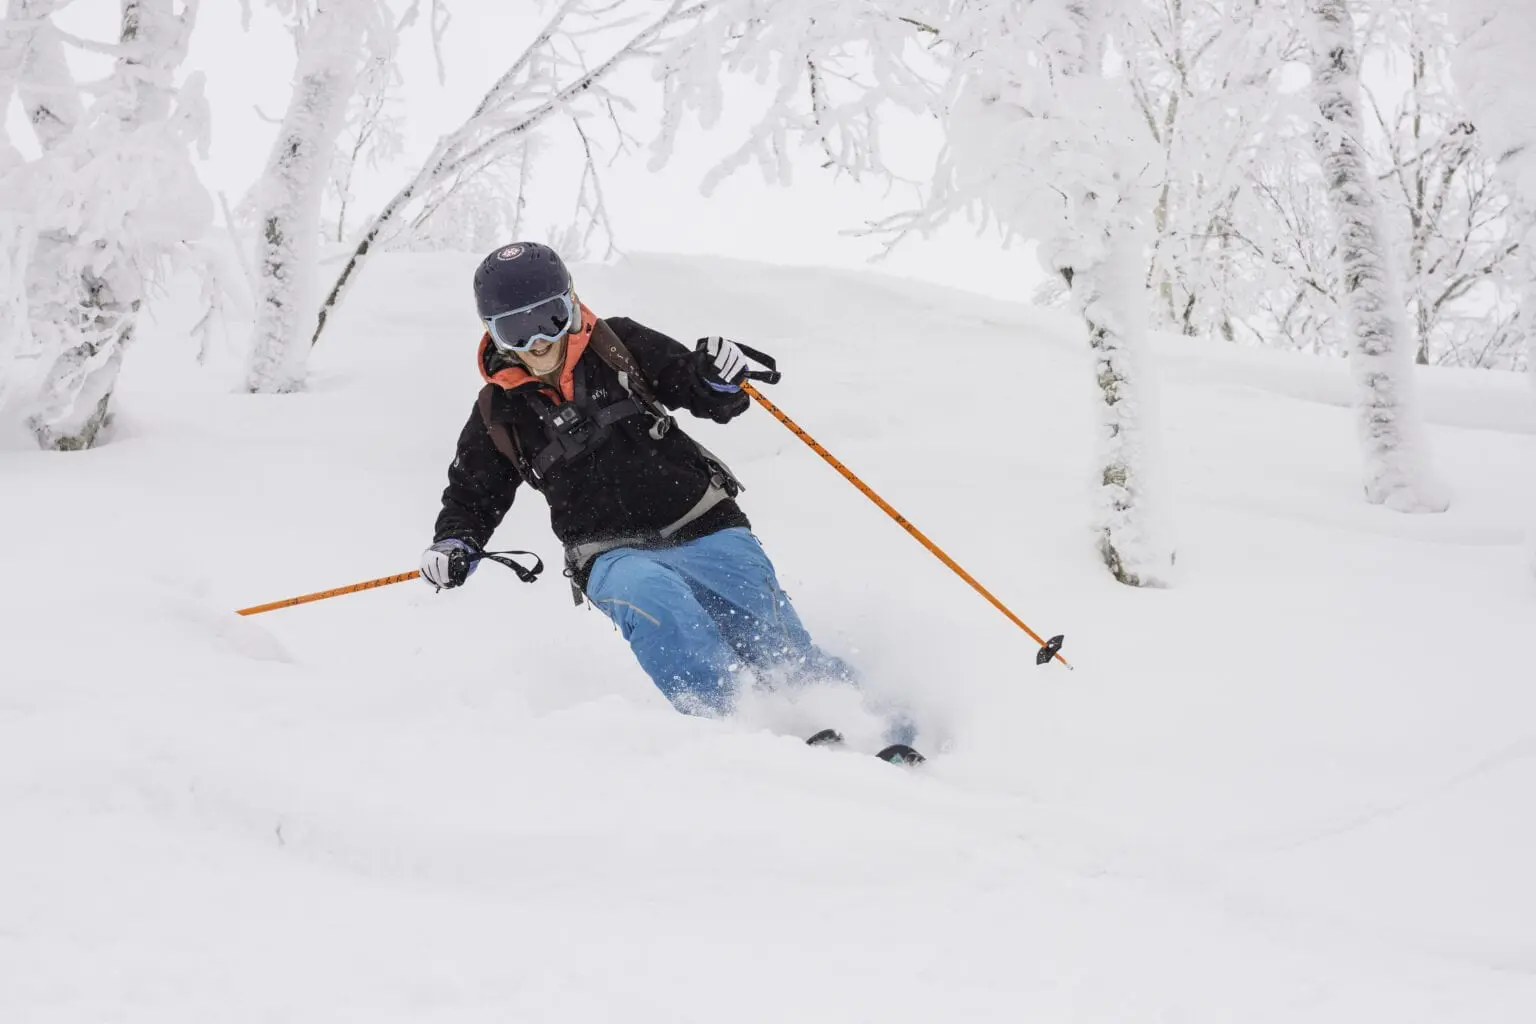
{"x": 1293, "y": 788}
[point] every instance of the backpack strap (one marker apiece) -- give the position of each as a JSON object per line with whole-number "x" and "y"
{"x": 501, "y": 436}
{"x": 613, "y": 352}
{"x": 619, "y": 359}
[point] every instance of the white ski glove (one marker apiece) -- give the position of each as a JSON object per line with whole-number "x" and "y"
{"x": 725, "y": 365}
{"x": 448, "y": 563}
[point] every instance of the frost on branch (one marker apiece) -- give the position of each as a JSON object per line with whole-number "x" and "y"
{"x": 1396, "y": 462}
{"x": 551, "y": 77}
{"x": 1494, "y": 71}
{"x": 832, "y": 68}
{"x": 374, "y": 135}
{"x": 87, "y": 226}
{"x": 1205, "y": 77}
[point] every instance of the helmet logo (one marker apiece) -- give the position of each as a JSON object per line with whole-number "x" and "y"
{"x": 510, "y": 253}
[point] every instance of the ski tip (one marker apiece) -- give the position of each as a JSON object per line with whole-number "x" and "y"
{"x": 900, "y": 753}
{"x": 825, "y": 738}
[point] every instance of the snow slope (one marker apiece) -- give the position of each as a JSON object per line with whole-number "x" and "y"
{"x": 1294, "y": 788}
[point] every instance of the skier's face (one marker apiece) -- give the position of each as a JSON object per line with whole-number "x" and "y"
{"x": 545, "y": 357}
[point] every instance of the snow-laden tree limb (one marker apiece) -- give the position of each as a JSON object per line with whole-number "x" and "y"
{"x": 547, "y": 79}
{"x": 834, "y": 68}
{"x": 374, "y": 135}
{"x": 47, "y": 89}
{"x": 1494, "y": 71}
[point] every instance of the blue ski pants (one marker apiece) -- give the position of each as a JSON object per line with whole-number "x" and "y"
{"x": 697, "y": 613}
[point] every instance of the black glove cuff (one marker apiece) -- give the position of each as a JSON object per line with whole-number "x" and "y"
{"x": 727, "y": 405}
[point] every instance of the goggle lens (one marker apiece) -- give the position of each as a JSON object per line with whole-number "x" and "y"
{"x": 521, "y": 329}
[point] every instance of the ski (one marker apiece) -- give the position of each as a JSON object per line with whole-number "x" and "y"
{"x": 896, "y": 753}
{"x": 900, "y": 753}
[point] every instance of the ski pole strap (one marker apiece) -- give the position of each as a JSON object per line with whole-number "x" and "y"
{"x": 505, "y": 558}
{"x": 768, "y": 376}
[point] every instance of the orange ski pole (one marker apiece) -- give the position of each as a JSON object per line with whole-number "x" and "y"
{"x": 325, "y": 594}
{"x": 500, "y": 557}
{"x": 1048, "y": 648}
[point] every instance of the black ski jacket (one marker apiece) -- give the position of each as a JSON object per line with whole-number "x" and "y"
{"x": 631, "y": 484}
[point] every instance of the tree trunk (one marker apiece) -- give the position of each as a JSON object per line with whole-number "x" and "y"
{"x": 292, "y": 190}
{"x": 1131, "y": 539}
{"x": 1105, "y": 244}
{"x": 77, "y": 394}
{"x": 1396, "y": 463}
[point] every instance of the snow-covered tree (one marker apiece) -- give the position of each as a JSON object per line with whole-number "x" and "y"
{"x": 1291, "y": 266}
{"x": 1042, "y": 137}
{"x": 32, "y": 67}
{"x": 1050, "y": 142}
{"x": 89, "y": 224}
{"x": 1494, "y": 74}
{"x": 1494, "y": 69}
{"x": 1454, "y": 223}
{"x": 1205, "y": 78}
{"x": 334, "y": 38}
{"x": 1240, "y": 246}
{"x": 1397, "y": 472}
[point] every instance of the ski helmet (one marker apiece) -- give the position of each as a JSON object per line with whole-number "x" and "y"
{"x": 519, "y": 275}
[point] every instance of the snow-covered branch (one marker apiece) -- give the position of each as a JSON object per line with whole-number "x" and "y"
{"x": 374, "y": 135}
{"x": 542, "y": 82}
{"x": 834, "y": 67}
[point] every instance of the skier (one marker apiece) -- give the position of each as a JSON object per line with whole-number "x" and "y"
{"x": 580, "y": 409}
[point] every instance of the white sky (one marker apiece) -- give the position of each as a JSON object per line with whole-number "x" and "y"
{"x": 664, "y": 211}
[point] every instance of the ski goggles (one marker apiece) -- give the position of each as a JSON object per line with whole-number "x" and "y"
{"x": 518, "y": 330}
